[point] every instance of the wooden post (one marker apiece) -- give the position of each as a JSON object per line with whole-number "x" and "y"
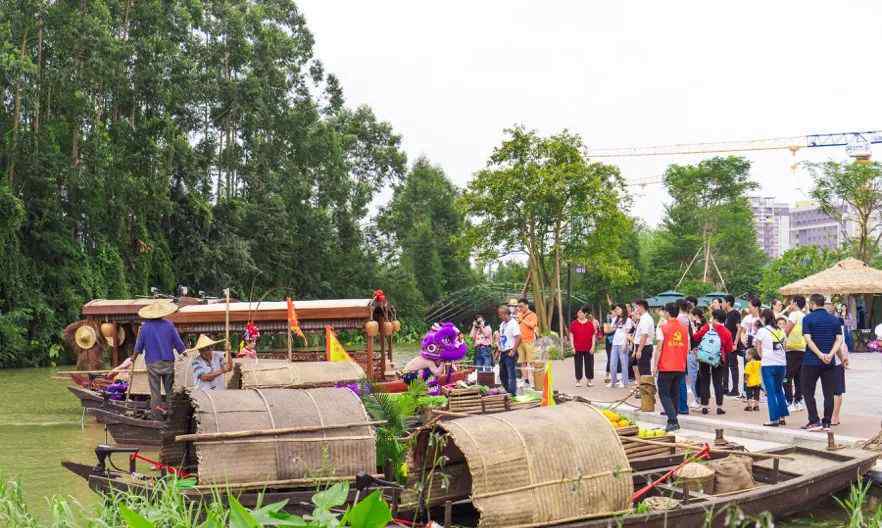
{"x": 115, "y": 358}
{"x": 227, "y": 324}
{"x": 448, "y": 513}
{"x": 775, "y": 471}
{"x": 369, "y": 346}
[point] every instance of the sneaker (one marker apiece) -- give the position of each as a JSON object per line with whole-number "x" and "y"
{"x": 704, "y": 410}
{"x": 609, "y": 385}
{"x": 771, "y": 424}
{"x": 763, "y": 399}
{"x": 695, "y": 405}
{"x": 826, "y": 428}
{"x": 814, "y": 428}
{"x": 791, "y": 408}
{"x": 578, "y": 383}
{"x": 748, "y": 408}
{"x": 588, "y": 383}
{"x": 670, "y": 428}
{"x": 606, "y": 380}
{"x": 621, "y": 385}
{"x": 720, "y": 411}
{"x": 798, "y": 406}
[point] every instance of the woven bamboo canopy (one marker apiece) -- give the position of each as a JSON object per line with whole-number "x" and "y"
{"x": 847, "y": 277}
{"x": 266, "y": 373}
{"x": 534, "y": 467}
{"x": 329, "y": 435}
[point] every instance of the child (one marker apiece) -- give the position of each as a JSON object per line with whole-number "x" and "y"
{"x": 752, "y": 380}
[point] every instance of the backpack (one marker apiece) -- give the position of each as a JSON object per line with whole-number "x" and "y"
{"x": 709, "y": 348}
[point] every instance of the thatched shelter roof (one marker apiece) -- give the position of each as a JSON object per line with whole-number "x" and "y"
{"x": 846, "y": 277}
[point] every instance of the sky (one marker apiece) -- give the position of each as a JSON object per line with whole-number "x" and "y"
{"x": 451, "y": 76}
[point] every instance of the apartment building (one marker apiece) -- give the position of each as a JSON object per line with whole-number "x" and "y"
{"x": 771, "y": 222}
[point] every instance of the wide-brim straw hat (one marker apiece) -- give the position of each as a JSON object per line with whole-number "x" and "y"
{"x": 86, "y": 337}
{"x": 120, "y": 336}
{"x": 204, "y": 342}
{"x": 512, "y": 302}
{"x": 158, "y": 310}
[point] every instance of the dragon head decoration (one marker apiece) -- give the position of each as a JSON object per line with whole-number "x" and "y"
{"x": 443, "y": 342}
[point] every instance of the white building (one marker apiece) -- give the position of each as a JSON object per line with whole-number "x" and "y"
{"x": 771, "y": 222}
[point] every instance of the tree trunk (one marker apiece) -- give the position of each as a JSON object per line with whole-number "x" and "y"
{"x": 39, "y": 80}
{"x": 16, "y": 117}
{"x": 557, "y": 289}
{"x": 706, "y": 254}
{"x": 536, "y": 279}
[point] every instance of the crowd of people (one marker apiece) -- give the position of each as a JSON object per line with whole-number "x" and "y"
{"x": 773, "y": 355}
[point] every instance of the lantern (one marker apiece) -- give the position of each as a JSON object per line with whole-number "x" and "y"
{"x": 388, "y": 328}
{"x": 371, "y": 328}
{"x": 396, "y": 326}
{"x": 107, "y": 330}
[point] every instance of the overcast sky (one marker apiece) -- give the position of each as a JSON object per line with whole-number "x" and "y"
{"x": 450, "y": 76}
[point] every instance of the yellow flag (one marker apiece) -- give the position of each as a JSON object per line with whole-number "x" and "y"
{"x": 334, "y": 351}
{"x": 548, "y": 390}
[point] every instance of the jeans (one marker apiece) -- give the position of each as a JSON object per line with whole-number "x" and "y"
{"x": 792, "y": 386}
{"x": 682, "y": 398}
{"x": 707, "y": 375}
{"x": 619, "y": 356}
{"x": 585, "y": 359}
{"x": 607, "y": 341}
{"x": 483, "y": 358}
{"x": 508, "y": 365}
{"x": 773, "y": 381}
{"x": 810, "y": 375}
{"x": 668, "y": 391}
{"x": 160, "y": 375}
{"x": 692, "y": 373}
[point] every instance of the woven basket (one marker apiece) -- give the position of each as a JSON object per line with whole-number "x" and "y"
{"x": 535, "y": 467}
{"x": 696, "y": 477}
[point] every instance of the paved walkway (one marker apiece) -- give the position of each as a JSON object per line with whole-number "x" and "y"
{"x": 860, "y": 417}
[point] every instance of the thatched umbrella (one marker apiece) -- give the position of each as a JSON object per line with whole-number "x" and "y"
{"x": 847, "y": 277}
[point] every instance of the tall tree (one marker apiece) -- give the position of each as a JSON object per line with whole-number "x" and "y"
{"x": 707, "y": 232}
{"x": 851, "y": 193}
{"x": 793, "y": 265}
{"x": 423, "y": 221}
{"x": 542, "y": 198}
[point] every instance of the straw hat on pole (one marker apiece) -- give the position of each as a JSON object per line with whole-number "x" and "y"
{"x": 158, "y": 310}
{"x": 86, "y": 337}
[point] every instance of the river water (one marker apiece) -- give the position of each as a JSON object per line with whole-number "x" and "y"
{"x": 41, "y": 424}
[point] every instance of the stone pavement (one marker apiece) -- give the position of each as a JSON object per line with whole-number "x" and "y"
{"x": 860, "y": 416}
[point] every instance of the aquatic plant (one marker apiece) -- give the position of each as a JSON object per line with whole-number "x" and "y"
{"x": 166, "y": 507}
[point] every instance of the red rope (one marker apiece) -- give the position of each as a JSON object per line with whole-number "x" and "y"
{"x": 156, "y": 465}
{"x": 704, "y": 453}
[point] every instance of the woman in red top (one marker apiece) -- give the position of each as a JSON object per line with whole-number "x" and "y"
{"x": 583, "y": 332}
{"x": 706, "y": 372}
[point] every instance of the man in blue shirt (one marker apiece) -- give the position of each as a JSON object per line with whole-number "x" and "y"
{"x": 823, "y": 339}
{"x": 158, "y": 339}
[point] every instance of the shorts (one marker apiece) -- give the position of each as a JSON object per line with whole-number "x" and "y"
{"x": 753, "y": 393}
{"x": 839, "y": 386}
{"x": 526, "y": 352}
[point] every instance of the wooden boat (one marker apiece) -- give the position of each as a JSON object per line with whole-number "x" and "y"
{"x": 130, "y": 427}
{"x": 91, "y": 399}
{"x": 783, "y": 488}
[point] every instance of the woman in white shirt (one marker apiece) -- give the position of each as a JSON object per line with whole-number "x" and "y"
{"x": 622, "y": 324}
{"x": 769, "y": 342}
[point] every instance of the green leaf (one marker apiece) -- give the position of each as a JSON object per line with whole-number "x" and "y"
{"x": 371, "y": 512}
{"x": 239, "y": 516}
{"x": 134, "y": 519}
{"x": 185, "y": 484}
{"x": 272, "y": 515}
{"x": 334, "y": 496}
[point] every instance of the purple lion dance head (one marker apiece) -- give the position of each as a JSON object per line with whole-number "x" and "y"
{"x": 443, "y": 342}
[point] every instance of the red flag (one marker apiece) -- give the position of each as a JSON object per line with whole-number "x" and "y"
{"x": 293, "y": 322}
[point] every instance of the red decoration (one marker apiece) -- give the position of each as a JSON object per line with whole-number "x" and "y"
{"x": 379, "y": 297}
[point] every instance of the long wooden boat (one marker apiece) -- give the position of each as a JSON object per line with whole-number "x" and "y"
{"x": 788, "y": 488}
{"x": 128, "y": 429}
{"x": 91, "y": 399}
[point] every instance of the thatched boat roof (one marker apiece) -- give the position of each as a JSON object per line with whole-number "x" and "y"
{"x": 846, "y": 277}
{"x": 339, "y": 441}
{"x": 275, "y": 373}
{"x": 536, "y": 467}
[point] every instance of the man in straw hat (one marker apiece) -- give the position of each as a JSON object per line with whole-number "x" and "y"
{"x": 209, "y": 366}
{"x": 158, "y": 339}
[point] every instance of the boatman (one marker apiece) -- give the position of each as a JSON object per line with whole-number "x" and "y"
{"x": 158, "y": 340}
{"x": 209, "y": 366}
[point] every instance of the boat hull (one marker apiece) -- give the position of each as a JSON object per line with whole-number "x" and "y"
{"x": 128, "y": 430}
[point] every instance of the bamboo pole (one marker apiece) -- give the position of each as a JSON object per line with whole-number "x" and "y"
{"x": 275, "y": 483}
{"x": 227, "y": 326}
{"x": 712, "y": 450}
{"x": 208, "y": 437}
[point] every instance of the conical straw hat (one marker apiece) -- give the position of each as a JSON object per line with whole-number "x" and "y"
{"x": 158, "y": 310}
{"x": 120, "y": 335}
{"x": 204, "y": 342}
{"x": 85, "y": 337}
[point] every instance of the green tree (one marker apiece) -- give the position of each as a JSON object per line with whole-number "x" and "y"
{"x": 541, "y": 197}
{"x": 424, "y": 223}
{"x": 707, "y": 232}
{"x": 851, "y": 193}
{"x": 793, "y": 265}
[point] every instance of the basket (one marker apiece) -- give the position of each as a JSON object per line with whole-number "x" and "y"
{"x": 695, "y": 476}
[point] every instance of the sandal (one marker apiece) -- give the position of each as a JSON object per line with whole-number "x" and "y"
{"x": 704, "y": 410}
{"x": 748, "y": 408}
{"x": 771, "y": 424}
{"x": 782, "y": 422}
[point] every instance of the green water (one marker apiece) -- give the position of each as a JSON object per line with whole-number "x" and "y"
{"x": 40, "y": 425}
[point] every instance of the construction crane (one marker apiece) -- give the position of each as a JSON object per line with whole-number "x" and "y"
{"x": 857, "y": 145}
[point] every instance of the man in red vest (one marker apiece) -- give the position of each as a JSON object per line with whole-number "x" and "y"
{"x": 669, "y": 364}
